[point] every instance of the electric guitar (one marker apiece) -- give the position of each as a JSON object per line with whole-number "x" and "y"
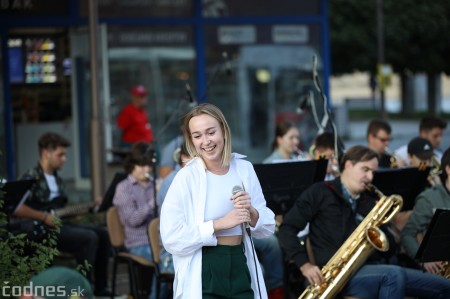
{"x": 37, "y": 230}
{"x": 57, "y": 207}
{"x": 73, "y": 210}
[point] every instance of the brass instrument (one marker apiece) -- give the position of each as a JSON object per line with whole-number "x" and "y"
{"x": 435, "y": 172}
{"x": 355, "y": 250}
{"x": 446, "y": 270}
{"x": 393, "y": 161}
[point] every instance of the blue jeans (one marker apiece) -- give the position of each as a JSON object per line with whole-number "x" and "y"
{"x": 377, "y": 281}
{"x": 426, "y": 285}
{"x": 389, "y": 281}
{"x": 271, "y": 258}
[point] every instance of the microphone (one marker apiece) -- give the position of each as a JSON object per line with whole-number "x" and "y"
{"x": 148, "y": 176}
{"x": 192, "y": 101}
{"x": 235, "y": 190}
{"x": 226, "y": 63}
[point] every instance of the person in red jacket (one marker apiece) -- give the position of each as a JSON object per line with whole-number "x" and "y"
{"x": 133, "y": 119}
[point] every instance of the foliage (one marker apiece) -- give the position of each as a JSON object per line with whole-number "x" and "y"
{"x": 353, "y": 35}
{"x": 84, "y": 268}
{"x": 415, "y": 35}
{"x": 22, "y": 258}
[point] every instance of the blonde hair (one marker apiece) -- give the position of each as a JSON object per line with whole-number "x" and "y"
{"x": 214, "y": 112}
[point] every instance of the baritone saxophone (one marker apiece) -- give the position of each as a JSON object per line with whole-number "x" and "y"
{"x": 358, "y": 246}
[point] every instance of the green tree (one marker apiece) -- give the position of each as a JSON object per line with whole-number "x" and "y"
{"x": 415, "y": 38}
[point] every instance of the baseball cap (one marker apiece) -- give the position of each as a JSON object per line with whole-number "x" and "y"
{"x": 139, "y": 90}
{"x": 421, "y": 148}
{"x": 59, "y": 283}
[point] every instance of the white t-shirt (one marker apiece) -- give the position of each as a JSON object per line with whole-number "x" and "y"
{"x": 51, "y": 181}
{"x": 218, "y": 203}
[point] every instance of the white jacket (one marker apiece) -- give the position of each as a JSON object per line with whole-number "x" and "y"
{"x": 184, "y": 231}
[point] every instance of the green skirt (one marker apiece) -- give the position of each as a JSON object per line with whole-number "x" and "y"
{"x": 225, "y": 273}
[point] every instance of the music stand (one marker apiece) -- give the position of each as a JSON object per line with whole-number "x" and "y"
{"x": 407, "y": 182}
{"x": 435, "y": 245}
{"x": 282, "y": 183}
{"x": 16, "y": 193}
{"x": 107, "y": 200}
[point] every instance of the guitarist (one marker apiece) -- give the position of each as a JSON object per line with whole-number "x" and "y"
{"x": 90, "y": 243}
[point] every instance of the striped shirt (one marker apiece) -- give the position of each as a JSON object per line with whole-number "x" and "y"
{"x": 136, "y": 209}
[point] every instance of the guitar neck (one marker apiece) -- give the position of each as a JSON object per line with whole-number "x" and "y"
{"x": 73, "y": 210}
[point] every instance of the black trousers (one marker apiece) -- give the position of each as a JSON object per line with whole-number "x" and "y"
{"x": 90, "y": 243}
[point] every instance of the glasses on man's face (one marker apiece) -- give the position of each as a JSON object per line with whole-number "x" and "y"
{"x": 383, "y": 140}
{"x": 328, "y": 157}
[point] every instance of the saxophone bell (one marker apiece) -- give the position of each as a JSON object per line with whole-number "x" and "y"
{"x": 377, "y": 238}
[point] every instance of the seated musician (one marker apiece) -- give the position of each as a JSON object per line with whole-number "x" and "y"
{"x": 420, "y": 152}
{"x": 378, "y": 139}
{"x": 437, "y": 197}
{"x": 334, "y": 210}
{"x": 431, "y": 128}
{"x": 421, "y": 155}
{"x": 86, "y": 243}
{"x": 323, "y": 148}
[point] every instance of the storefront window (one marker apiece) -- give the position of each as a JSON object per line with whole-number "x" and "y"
{"x": 161, "y": 59}
{"x": 271, "y": 72}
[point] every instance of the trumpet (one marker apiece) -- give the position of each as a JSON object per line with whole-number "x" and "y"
{"x": 395, "y": 162}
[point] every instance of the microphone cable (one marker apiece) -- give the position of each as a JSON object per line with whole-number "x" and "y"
{"x": 338, "y": 145}
{"x": 152, "y": 177}
{"x": 246, "y": 227}
{"x": 254, "y": 258}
